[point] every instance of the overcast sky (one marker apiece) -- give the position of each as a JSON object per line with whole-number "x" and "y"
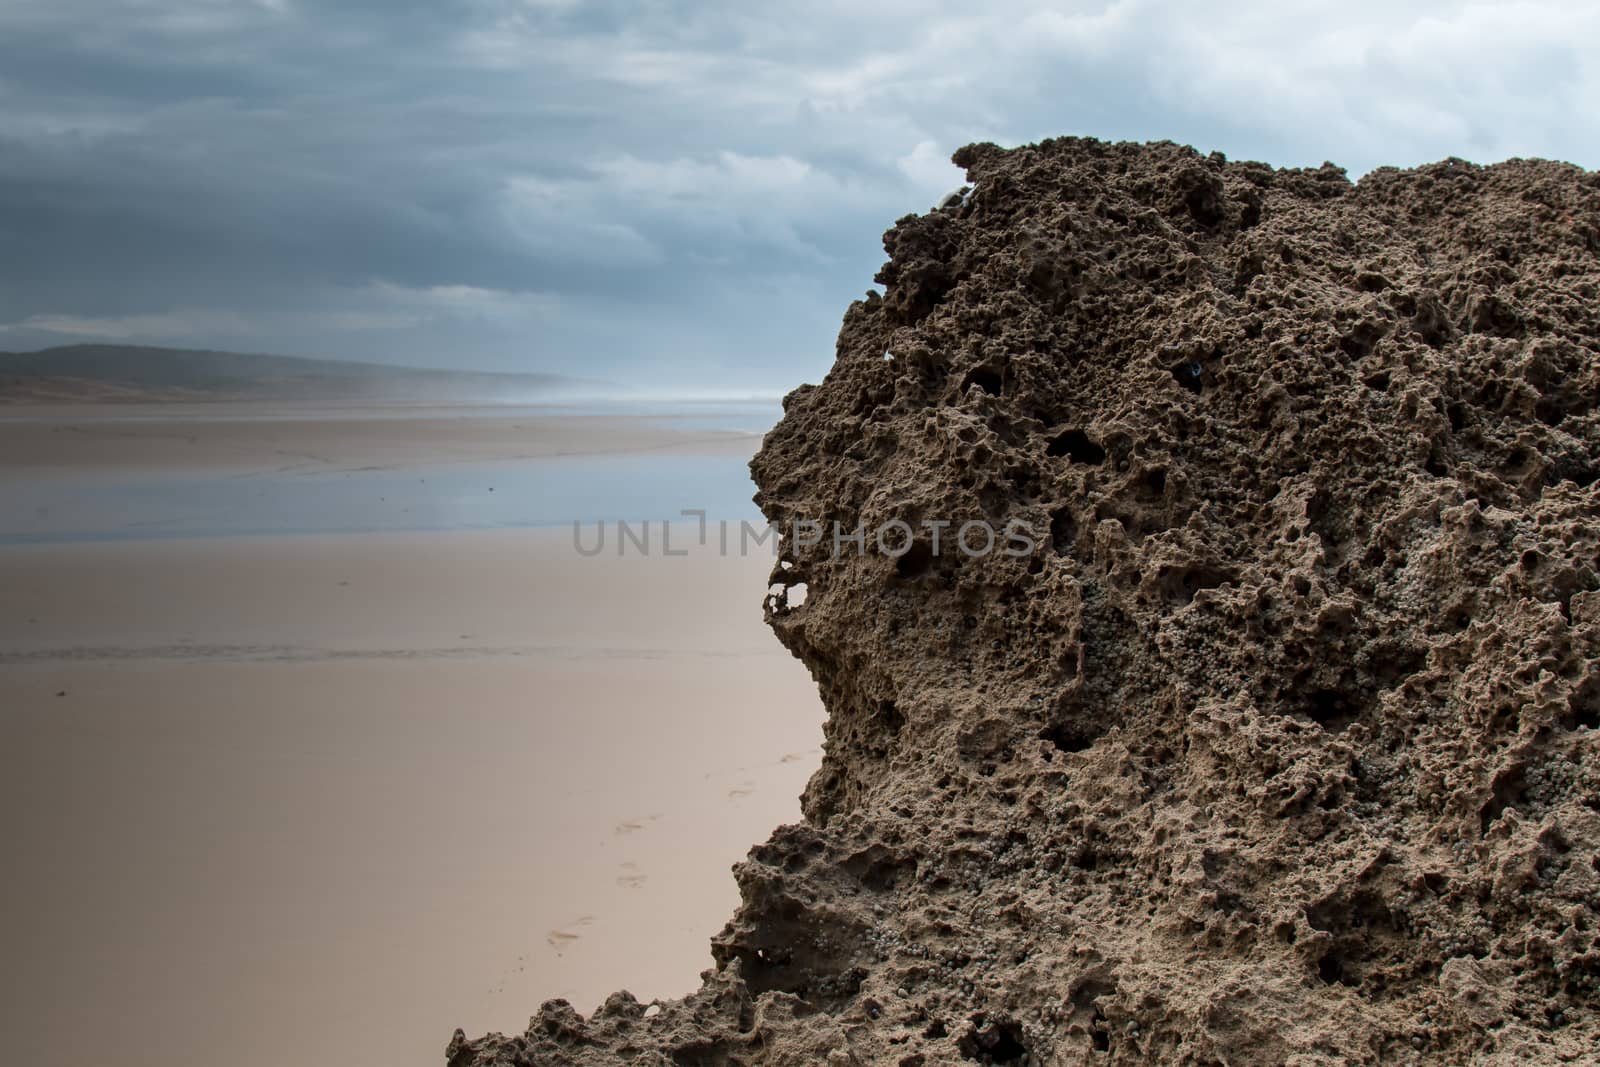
{"x": 676, "y": 194}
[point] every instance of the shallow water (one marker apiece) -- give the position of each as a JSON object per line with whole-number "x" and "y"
{"x": 114, "y": 504}
{"x": 488, "y": 496}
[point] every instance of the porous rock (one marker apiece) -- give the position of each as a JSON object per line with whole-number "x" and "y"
{"x": 1283, "y": 744}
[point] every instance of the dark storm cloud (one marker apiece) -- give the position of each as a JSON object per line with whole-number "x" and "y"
{"x": 661, "y": 192}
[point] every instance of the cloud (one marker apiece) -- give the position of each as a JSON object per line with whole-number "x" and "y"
{"x": 455, "y": 303}
{"x": 685, "y": 190}
{"x": 730, "y": 203}
{"x": 928, "y": 168}
{"x": 562, "y": 221}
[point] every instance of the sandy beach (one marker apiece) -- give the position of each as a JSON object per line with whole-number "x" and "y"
{"x": 271, "y": 799}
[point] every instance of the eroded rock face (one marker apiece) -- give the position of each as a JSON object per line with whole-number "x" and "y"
{"x": 1284, "y": 744}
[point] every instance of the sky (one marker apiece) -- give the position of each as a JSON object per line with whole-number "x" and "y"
{"x": 671, "y": 195}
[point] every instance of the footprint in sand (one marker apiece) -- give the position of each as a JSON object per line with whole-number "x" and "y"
{"x": 743, "y": 789}
{"x": 633, "y": 826}
{"x": 563, "y": 937}
{"x": 631, "y": 878}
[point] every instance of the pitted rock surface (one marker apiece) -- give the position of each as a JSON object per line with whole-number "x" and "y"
{"x": 1283, "y": 745}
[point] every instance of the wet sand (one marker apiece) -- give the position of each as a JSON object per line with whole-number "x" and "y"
{"x": 273, "y": 800}
{"x": 235, "y": 439}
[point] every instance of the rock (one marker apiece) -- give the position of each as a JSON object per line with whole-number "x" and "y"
{"x": 1473, "y": 991}
{"x": 1282, "y": 744}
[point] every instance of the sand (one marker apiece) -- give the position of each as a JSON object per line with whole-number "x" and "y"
{"x": 272, "y": 800}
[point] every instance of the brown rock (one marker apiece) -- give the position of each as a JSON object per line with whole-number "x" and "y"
{"x": 1283, "y": 745}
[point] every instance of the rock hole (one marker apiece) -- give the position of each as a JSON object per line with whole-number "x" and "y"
{"x": 1203, "y": 196}
{"x": 698, "y": 1054}
{"x": 1075, "y": 445}
{"x": 1362, "y": 339}
{"x": 993, "y": 1041}
{"x": 1431, "y": 321}
{"x": 1580, "y": 474}
{"x": 916, "y": 561}
{"x": 1490, "y": 314}
{"x": 1068, "y": 736}
{"x": 1180, "y": 584}
{"x": 1100, "y": 1032}
{"x": 1249, "y": 268}
{"x": 1550, "y": 410}
{"x": 1331, "y": 709}
{"x": 890, "y": 716}
{"x": 1250, "y": 214}
{"x": 1584, "y": 705}
{"x": 1505, "y": 792}
{"x": 1190, "y": 375}
{"x": 985, "y": 379}
{"x": 1331, "y": 970}
{"x": 1520, "y": 462}
{"x": 878, "y": 869}
{"x": 1320, "y": 518}
{"x": 1047, "y": 419}
{"x": 1394, "y": 663}
{"x": 1063, "y": 530}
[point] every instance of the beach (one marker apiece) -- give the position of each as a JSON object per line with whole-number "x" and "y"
{"x": 327, "y": 795}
